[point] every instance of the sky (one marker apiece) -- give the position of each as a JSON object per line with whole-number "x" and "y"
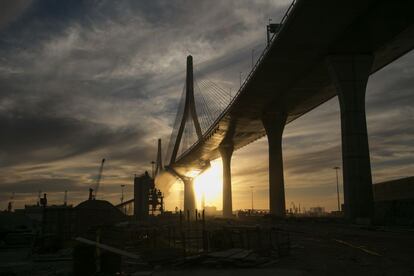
{"x": 83, "y": 80}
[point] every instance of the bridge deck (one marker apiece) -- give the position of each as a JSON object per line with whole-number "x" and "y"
{"x": 293, "y": 74}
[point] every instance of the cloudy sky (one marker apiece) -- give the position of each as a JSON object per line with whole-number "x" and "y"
{"x": 83, "y": 80}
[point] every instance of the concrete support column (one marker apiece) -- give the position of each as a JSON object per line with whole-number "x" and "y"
{"x": 350, "y": 75}
{"x": 226, "y": 151}
{"x": 189, "y": 197}
{"x": 274, "y": 124}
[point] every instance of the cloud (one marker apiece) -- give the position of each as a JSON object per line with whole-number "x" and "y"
{"x": 11, "y": 10}
{"x": 39, "y": 138}
{"x": 83, "y": 80}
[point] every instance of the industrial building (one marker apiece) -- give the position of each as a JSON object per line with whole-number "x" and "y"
{"x": 147, "y": 198}
{"x": 394, "y": 201}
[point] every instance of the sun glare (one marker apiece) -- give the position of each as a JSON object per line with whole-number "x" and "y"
{"x": 209, "y": 183}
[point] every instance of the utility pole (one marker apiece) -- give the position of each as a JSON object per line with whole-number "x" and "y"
{"x": 252, "y": 187}
{"x": 122, "y": 193}
{"x": 122, "y": 197}
{"x": 336, "y": 168}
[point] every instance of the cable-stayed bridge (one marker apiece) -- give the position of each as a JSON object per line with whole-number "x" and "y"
{"x": 321, "y": 49}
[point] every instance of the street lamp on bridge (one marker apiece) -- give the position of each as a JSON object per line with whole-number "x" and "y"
{"x": 241, "y": 78}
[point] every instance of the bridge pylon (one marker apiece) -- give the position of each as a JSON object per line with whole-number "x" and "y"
{"x": 189, "y": 112}
{"x": 158, "y": 164}
{"x": 189, "y": 196}
{"x": 350, "y": 75}
{"x": 274, "y": 124}
{"x": 226, "y": 151}
{"x": 189, "y": 109}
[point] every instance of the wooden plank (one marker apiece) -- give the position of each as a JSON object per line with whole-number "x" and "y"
{"x": 109, "y": 248}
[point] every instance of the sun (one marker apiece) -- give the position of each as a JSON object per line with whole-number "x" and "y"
{"x": 210, "y": 184}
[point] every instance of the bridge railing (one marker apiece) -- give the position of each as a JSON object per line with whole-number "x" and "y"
{"x": 246, "y": 80}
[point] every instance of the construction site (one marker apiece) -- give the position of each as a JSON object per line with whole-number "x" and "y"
{"x": 103, "y": 81}
{"x": 139, "y": 237}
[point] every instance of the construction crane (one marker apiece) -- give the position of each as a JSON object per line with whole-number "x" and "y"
{"x": 94, "y": 192}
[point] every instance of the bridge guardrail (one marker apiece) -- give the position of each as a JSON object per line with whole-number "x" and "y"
{"x": 246, "y": 80}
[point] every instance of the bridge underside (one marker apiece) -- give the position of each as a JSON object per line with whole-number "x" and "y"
{"x": 294, "y": 72}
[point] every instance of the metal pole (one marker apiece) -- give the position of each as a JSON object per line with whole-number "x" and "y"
{"x": 336, "y": 168}
{"x": 268, "y": 32}
{"x": 122, "y": 197}
{"x": 251, "y": 187}
{"x": 268, "y": 35}
{"x": 122, "y": 193}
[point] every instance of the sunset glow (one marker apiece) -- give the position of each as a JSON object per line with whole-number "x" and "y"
{"x": 210, "y": 184}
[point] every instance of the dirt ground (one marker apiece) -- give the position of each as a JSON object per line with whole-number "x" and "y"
{"x": 317, "y": 248}
{"x": 320, "y": 248}
{"x": 329, "y": 248}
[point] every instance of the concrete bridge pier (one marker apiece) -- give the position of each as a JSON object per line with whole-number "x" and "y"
{"x": 274, "y": 124}
{"x": 226, "y": 151}
{"x": 350, "y": 76}
{"x": 189, "y": 196}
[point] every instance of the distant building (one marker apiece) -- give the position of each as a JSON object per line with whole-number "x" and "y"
{"x": 63, "y": 222}
{"x": 210, "y": 210}
{"x": 55, "y": 223}
{"x": 34, "y": 212}
{"x": 316, "y": 211}
{"x": 398, "y": 189}
{"x": 52, "y": 219}
{"x": 142, "y": 185}
{"x": 394, "y": 201}
{"x": 147, "y": 198}
{"x": 252, "y": 213}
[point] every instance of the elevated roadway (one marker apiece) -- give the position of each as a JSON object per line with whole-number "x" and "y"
{"x": 324, "y": 48}
{"x": 293, "y": 70}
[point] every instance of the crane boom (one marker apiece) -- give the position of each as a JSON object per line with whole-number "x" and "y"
{"x": 98, "y": 180}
